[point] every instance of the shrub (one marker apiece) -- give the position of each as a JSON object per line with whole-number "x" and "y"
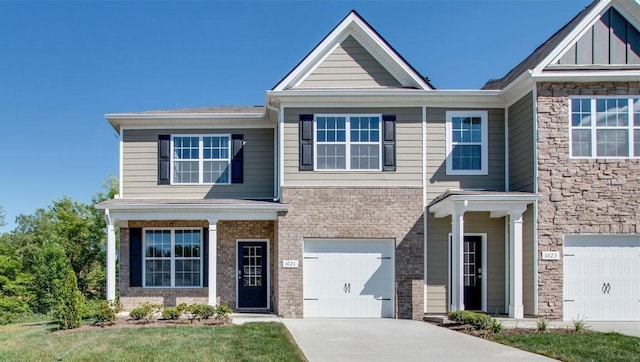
{"x": 171, "y": 313}
{"x": 108, "y": 310}
{"x": 580, "y": 324}
{"x": 542, "y": 325}
{"x": 202, "y": 311}
{"x": 496, "y": 326}
{"x": 70, "y": 305}
{"x": 147, "y": 312}
{"x": 478, "y": 320}
{"x": 222, "y": 312}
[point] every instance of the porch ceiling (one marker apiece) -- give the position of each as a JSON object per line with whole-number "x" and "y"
{"x": 498, "y": 203}
{"x": 203, "y": 209}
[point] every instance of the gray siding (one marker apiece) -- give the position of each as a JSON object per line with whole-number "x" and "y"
{"x": 611, "y": 40}
{"x": 140, "y": 162}
{"x": 521, "y": 163}
{"x": 437, "y": 179}
{"x": 437, "y": 259}
{"x": 350, "y": 66}
{"x": 408, "y": 152}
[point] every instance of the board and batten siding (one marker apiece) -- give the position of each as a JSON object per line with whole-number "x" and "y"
{"x": 521, "y": 162}
{"x": 350, "y": 66}
{"x": 438, "y": 263}
{"x": 408, "y": 151}
{"x": 140, "y": 167}
{"x": 438, "y": 181}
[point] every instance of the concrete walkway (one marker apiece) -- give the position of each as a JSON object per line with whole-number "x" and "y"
{"x": 333, "y": 339}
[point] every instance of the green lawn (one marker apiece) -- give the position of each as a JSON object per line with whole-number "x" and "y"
{"x": 248, "y": 342}
{"x": 590, "y": 346}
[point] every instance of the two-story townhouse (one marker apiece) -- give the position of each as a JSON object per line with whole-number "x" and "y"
{"x": 360, "y": 190}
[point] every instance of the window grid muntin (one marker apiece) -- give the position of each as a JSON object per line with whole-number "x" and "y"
{"x": 172, "y": 259}
{"x": 321, "y": 143}
{"x": 631, "y": 126}
{"x": 223, "y": 161}
{"x": 252, "y": 264}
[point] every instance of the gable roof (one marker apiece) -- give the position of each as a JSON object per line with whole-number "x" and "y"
{"x": 541, "y": 52}
{"x": 355, "y": 26}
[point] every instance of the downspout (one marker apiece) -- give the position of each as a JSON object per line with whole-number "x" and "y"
{"x": 424, "y": 202}
{"x": 535, "y": 191}
{"x": 506, "y": 218}
{"x": 276, "y": 153}
{"x": 121, "y": 164}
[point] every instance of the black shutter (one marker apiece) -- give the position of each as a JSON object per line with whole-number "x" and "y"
{"x": 205, "y": 257}
{"x": 388, "y": 143}
{"x": 306, "y": 142}
{"x": 135, "y": 257}
{"x": 164, "y": 159}
{"x": 237, "y": 160}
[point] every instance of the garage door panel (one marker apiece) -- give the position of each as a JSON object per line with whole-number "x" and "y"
{"x": 348, "y": 278}
{"x": 602, "y": 277}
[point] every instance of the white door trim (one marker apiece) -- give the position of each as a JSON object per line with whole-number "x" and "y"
{"x": 268, "y": 262}
{"x": 483, "y": 248}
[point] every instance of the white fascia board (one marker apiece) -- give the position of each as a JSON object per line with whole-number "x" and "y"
{"x": 196, "y": 207}
{"x": 124, "y": 215}
{"x": 588, "y": 76}
{"x": 498, "y": 205}
{"x": 574, "y": 35}
{"x": 518, "y": 88}
{"x": 131, "y": 116}
{"x": 190, "y": 123}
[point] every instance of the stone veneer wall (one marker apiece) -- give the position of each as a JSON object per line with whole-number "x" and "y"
{"x": 577, "y": 195}
{"x": 350, "y": 212}
{"x": 228, "y": 233}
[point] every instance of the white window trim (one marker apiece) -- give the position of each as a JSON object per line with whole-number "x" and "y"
{"x": 201, "y": 159}
{"x": 484, "y": 162}
{"x": 173, "y": 258}
{"x": 593, "y": 128}
{"x": 347, "y": 142}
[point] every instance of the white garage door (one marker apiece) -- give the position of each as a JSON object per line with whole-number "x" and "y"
{"x": 348, "y": 278}
{"x": 602, "y": 277}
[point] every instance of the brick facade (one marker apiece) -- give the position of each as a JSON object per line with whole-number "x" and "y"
{"x": 578, "y": 195}
{"x": 343, "y": 212}
{"x": 228, "y": 233}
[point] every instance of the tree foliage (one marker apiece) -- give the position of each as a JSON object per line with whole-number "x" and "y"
{"x": 37, "y": 255}
{"x": 70, "y": 302}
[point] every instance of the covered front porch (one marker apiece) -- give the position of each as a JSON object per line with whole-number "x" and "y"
{"x": 192, "y": 251}
{"x": 467, "y": 275}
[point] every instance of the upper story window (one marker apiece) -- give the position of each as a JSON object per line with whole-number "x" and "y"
{"x": 347, "y": 142}
{"x": 467, "y": 138}
{"x": 172, "y": 258}
{"x": 605, "y": 127}
{"x": 201, "y": 159}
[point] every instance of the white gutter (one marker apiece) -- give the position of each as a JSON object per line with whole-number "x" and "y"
{"x": 276, "y": 158}
{"x": 424, "y": 205}
{"x": 203, "y": 207}
{"x": 154, "y": 116}
{"x": 534, "y": 93}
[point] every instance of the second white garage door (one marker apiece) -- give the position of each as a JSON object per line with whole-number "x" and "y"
{"x": 602, "y": 277}
{"x": 348, "y": 278}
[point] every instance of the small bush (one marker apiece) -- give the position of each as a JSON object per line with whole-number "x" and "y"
{"x": 222, "y": 312}
{"x": 147, "y": 312}
{"x": 478, "y": 320}
{"x": 542, "y": 325}
{"x": 108, "y": 311}
{"x": 171, "y": 313}
{"x": 496, "y": 326}
{"x": 70, "y": 304}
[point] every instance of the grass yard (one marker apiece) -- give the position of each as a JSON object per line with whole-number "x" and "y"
{"x": 248, "y": 342}
{"x": 591, "y": 346}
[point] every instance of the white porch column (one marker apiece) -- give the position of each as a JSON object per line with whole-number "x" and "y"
{"x": 111, "y": 258}
{"x": 516, "y": 308}
{"x": 213, "y": 245}
{"x": 457, "y": 250}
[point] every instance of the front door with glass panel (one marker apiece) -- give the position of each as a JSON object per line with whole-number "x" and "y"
{"x": 252, "y": 274}
{"x": 472, "y": 272}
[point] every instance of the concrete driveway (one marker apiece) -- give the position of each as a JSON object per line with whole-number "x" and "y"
{"x": 345, "y": 339}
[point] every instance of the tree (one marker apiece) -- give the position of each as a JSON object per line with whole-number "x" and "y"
{"x": 70, "y": 306}
{"x": 3, "y": 220}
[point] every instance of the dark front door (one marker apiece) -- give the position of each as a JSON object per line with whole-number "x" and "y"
{"x": 472, "y": 272}
{"x": 252, "y": 274}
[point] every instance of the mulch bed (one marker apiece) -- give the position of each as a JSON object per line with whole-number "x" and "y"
{"x": 487, "y": 334}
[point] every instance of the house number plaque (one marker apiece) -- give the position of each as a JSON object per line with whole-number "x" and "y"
{"x": 550, "y": 255}
{"x": 289, "y": 263}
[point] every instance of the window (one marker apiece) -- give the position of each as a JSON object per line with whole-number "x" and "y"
{"x": 467, "y": 143}
{"x": 347, "y": 142}
{"x": 201, "y": 159}
{"x": 605, "y": 127}
{"x": 172, "y": 258}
